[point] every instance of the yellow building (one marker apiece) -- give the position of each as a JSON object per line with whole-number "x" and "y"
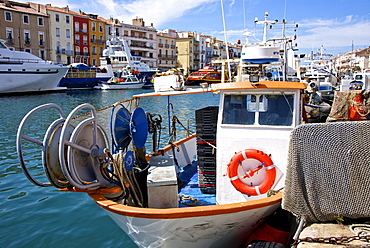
{"x": 97, "y": 37}
{"x": 187, "y": 54}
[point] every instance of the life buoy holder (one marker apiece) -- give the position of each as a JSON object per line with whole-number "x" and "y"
{"x": 266, "y": 162}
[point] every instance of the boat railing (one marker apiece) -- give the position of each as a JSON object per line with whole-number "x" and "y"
{"x": 80, "y": 74}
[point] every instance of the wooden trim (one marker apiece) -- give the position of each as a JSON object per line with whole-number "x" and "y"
{"x": 186, "y": 212}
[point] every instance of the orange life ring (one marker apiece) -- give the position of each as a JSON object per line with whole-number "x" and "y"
{"x": 266, "y": 162}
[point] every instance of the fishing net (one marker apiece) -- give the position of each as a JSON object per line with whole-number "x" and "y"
{"x": 350, "y": 105}
{"x": 328, "y": 171}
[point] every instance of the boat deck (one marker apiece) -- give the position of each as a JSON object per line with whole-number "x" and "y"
{"x": 189, "y": 187}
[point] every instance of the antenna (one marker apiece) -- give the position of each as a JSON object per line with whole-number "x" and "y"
{"x": 286, "y": 41}
{"x": 225, "y": 34}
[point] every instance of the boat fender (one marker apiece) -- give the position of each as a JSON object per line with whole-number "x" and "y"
{"x": 266, "y": 162}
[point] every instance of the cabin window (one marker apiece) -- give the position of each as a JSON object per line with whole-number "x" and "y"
{"x": 255, "y": 109}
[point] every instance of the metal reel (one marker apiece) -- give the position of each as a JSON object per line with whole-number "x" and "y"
{"x": 86, "y": 147}
{"x": 43, "y": 144}
{"x": 139, "y": 127}
{"x": 126, "y": 127}
{"x": 120, "y": 128}
{"x": 50, "y": 156}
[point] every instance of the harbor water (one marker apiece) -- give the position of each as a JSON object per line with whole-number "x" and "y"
{"x": 33, "y": 216}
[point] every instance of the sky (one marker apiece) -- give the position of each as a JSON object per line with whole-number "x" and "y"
{"x": 336, "y": 25}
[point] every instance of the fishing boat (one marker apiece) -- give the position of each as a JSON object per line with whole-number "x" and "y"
{"x": 213, "y": 188}
{"x": 234, "y": 164}
{"x": 81, "y": 76}
{"x": 168, "y": 81}
{"x": 118, "y": 54}
{"x": 121, "y": 81}
{"x": 23, "y": 72}
{"x": 206, "y": 75}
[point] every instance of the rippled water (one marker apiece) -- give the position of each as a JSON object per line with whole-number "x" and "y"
{"x": 33, "y": 216}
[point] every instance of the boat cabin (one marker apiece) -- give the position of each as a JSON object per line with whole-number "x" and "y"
{"x": 256, "y": 117}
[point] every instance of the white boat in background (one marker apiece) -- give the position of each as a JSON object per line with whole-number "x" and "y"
{"x": 118, "y": 54}
{"x": 263, "y": 52}
{"x": 169, "y": 81}
{"x": 121, "y": 81}
{"x": 274, "y": 55}
{"x": 23, "y": 72}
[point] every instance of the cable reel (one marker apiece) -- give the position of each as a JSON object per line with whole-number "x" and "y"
{"x": 126, "y": 127}
{"x": 86, "y": 151}
{"x": 49, "y": 145}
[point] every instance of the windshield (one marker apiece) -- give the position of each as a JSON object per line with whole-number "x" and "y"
{"x": 248, "y": 109}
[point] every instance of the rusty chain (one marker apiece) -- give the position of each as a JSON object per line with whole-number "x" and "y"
{"x": 333, "y": 240}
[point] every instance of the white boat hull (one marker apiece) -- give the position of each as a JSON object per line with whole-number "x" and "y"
{"x": 168, "y": 83}
{"x": 35, "y": 79}
{"x": 122, "y": 86}
{"x": 224, "y": 225}
{"x": 205, "y": 226}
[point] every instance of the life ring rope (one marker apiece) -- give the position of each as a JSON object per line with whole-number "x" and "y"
{"x": 266, "y": 163}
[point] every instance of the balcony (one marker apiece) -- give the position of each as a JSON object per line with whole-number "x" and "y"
{"x": 41, "y": 43}
{"x": 27, "y": 43}
{"x": 69, "y": 52}
{"x": 97, "y": 41}
{"x": 140, "y": 45}
{"x": 138, "y": 37}
{"x": 58, "y": 51}
{"x": 81, "y": 31}
{"x": 170, "y": 57}
{"x": 82, "y": 54}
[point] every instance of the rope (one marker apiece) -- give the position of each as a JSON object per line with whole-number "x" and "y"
{"x": 100, "y": 110}
{"x": 126, "y": 178}
{"x": 189, "y": 201}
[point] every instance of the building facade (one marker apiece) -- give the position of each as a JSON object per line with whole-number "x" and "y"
{"x": 81, "y": 39}
{"x": 25, "y": 27}
{"x": 96, "y": 38}
{"x": 61, "y": 34}
{"x": 166, "y": 52}
{"x": 142, "y": 40}
{"x": 65, "y": 36}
